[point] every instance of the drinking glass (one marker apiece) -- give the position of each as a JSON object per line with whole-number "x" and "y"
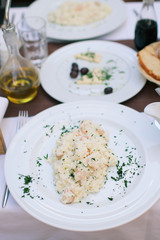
{"x": 32, "y": 33}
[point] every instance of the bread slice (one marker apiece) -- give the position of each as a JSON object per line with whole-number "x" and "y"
{"x": 148, "y": 77}
{"x": 149, "y": 60}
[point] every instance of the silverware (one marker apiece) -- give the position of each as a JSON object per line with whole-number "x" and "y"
{"x": 22, "y": 119}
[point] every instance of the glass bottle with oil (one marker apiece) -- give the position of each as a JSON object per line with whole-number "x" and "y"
{"x": 19, "y": 79}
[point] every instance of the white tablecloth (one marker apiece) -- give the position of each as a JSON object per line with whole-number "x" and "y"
{"x": 16, "y": 224}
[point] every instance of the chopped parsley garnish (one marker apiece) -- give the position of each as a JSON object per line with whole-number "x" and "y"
{"x": 51, "y": 128}
{"x": 89, "y": 54}
{"x": 106, "y": 74}
{"x": 89, "y": 203}
{"x": 38, "y": 162}
{"x": 66, "y": 131}
{"x": 89, "y": 75}
{"x": 109, "y": 61}
{"x": 63, "y": 128}
{"x": 27, "y": 179}
{"x": 113, "y": 178}
{"x": 27, "y": 185}
{"x": 26, "y": 190}
{"x": 46, "y": 157}
{"x": 46, "y": 126}
{"x": 125, "y": 183}
{"x": 72, "y": 173}
{"x": 110, "y": 198}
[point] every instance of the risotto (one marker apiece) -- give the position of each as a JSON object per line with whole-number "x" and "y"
{"x": 80, "y": 161}
{"x": 76, "y": 13}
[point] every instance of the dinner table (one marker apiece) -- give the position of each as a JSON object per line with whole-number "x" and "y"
{"x": 16, "y": 223}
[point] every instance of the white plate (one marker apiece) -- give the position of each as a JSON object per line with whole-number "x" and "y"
{"x": 131, "y": 134}
{"x": 69, "y": 33}
{"x": 126, "y": 78}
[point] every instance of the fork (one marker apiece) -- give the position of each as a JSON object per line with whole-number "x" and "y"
{"x": 22, "y": 119}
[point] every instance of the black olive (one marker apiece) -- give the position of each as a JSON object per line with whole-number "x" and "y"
{"x": 84, "y": 71}
{"x": 75, "y": 67}
{"x": 73, "y": 74}
{"x": 108, "y": 90}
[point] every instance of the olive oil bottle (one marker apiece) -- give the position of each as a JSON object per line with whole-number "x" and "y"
{"x": 19, "y": 79}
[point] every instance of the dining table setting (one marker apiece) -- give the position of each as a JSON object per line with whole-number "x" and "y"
{"x": 80, "y": 121}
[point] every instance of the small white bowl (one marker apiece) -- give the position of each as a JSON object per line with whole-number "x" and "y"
{"x": 153, "y": 110}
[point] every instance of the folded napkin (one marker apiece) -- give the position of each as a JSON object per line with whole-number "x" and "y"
{"x": 3, "y": 107}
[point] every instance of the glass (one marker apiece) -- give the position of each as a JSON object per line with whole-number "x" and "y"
{"x": 146, "y": 30}
{"x": 32, "y": 33}
{"x": 19, "y": 79}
